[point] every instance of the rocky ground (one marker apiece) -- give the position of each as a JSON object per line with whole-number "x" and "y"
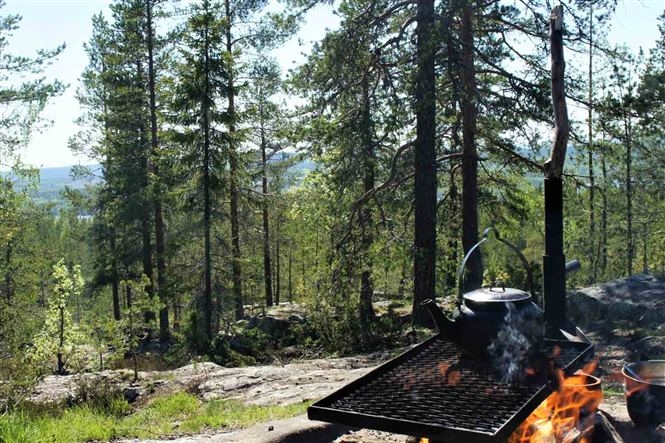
{"x": 261, "y": 385}
{"x": 624, "y": 318}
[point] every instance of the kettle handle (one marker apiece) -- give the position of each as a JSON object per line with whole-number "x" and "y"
{"x": 515, "y": 249}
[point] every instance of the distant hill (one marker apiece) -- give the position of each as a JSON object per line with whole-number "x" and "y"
{"x": 52, "y": 181}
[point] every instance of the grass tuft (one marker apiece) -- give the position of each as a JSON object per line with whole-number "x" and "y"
{"x": 234, "y": 414}
{"x": 168, "y": 416}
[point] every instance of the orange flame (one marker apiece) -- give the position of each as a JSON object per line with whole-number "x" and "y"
{"x": 566, "y": 414}
{"x": 424, "y": 440}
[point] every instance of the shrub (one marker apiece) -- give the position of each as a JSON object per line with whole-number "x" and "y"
{"x": 59, "y": 344}
{"x": 101, "y": 394}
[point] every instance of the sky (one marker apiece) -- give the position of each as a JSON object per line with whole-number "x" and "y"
{"x": 48, "y": 23}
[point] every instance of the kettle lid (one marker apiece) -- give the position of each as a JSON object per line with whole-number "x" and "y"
{"x": 496, "y": 294}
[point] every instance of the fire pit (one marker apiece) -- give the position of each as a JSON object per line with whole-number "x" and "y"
{"x": 434, "y": 391}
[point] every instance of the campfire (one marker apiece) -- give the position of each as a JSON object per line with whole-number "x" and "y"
{"x": 567, "y": 415}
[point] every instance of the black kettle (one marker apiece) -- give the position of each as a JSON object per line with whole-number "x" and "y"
{"x": 490, "y": 315}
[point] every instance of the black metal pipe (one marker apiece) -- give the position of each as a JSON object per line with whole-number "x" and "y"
{"x": 554, "y": 262}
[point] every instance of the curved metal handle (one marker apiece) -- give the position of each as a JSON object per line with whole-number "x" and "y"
{"x": 515, "y": 249}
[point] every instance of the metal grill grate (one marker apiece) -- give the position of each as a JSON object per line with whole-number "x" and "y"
{"x": 431, "y": 391}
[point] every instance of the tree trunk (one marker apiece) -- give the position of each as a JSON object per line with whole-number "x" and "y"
{"x": 645, "y": 248}
{"x": 473, "y": 277}
{"x": 267, "y": 271}
{"x": 146, "y": 232}
{"x": 425, "y": 185}
{"x": 146, "y": 255}
{"x": 160, "y": 253}
{"x": 603, "y": 216}
{"x": 9, "y": 281}
{"x": 366, "y": 279}
{"x": 290, "y": 276}
{"x": 630, "y": 244}
{"x": 453, "y": 231}
{"x": 207, "y": 199}
{"x": 277, "y": 268}
{"x": 115, "y": 281}
{"x": 61, "y": 339}
{"x": 452, "y": 225}
{"x": 234, "y": 170}
{"x": 592, "y": 259}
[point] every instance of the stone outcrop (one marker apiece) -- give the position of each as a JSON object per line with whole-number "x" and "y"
{"x": 636, "y": 300}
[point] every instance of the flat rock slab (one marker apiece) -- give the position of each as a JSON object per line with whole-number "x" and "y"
{"x": 293, "y": 430}
{"x": 259, "y": 385}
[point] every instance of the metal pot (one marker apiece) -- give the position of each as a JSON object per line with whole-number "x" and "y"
{"x": 491, "y": 315}
{"x": 644, "y": 389}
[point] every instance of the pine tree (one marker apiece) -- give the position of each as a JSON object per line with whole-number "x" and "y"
{"x": 201, "y": 83}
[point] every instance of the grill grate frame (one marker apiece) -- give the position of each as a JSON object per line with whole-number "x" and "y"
{"x": 432, "y": 391}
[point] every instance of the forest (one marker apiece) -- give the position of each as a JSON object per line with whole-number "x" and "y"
{"x": 350, "y": 188}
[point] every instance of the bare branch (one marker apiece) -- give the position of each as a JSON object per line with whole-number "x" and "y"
{"x": 554, "y": 166}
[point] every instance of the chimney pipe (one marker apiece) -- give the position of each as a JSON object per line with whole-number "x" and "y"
{"x": 554, "y": 262}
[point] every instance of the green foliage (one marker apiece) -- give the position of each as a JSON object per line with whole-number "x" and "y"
{"x": 101, "y": 395}
{"x": 338, "y": 328}
{"x": 138, "y": 317}
{"x": 58, "y": 346}
{"x": 179, "y": 353}
{"x": 222, "y": 354}
{"x": 107, "y": 337}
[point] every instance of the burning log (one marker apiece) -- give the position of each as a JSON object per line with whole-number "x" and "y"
{"x": 567, "y": 415}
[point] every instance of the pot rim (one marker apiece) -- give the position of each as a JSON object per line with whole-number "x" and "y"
{"x": 634, "y": 367}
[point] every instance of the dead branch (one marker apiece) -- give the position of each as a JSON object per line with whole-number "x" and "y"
{"x": 510, "y": 151}
{"x": 388, "y": 183}
{"x": 554, "y": 166}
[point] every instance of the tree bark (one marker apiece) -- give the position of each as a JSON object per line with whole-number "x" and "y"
{"x": 267, "y": 271}
{"x": 160, "y": 253}
{"x": 278, "y": 266}
{"x": 115, "y": 280}
{"x": 366, "y": 279}
{"x": 233, "y": 172}
{"x": 146, "y": 232}
{"x": 474, "y": 269}
{"x": 592, "y": 259}
{"x": 290, "y": 276}
{"x": 207, "y": 197}
{"x": 630, "y": 244}
{"x": 603, "y": 216}
{"x": 425, "y": 185}
{"x": 453, "y": 231}
{"x": 9, "y": 280}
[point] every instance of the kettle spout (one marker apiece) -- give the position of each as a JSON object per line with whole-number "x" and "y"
{"x": 446, "y": 326}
